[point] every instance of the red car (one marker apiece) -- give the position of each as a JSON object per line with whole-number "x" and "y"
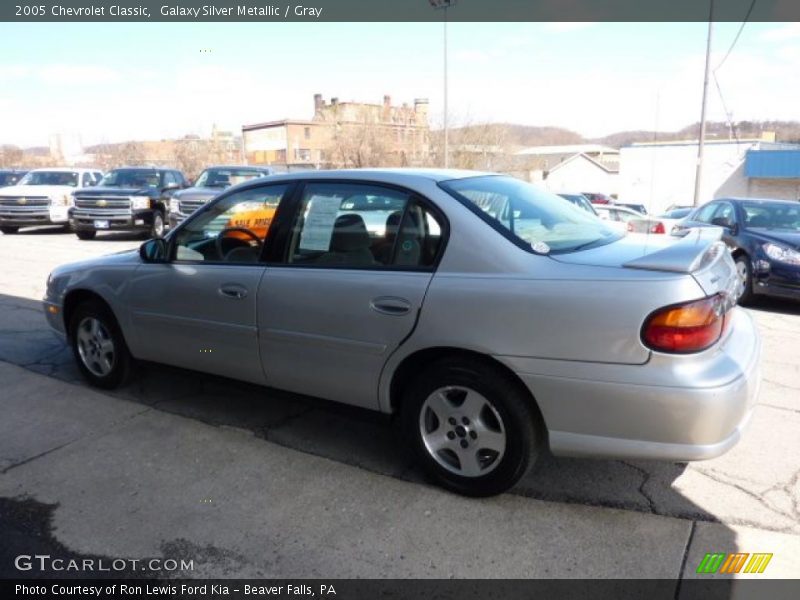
{"x": 598, "y": 198}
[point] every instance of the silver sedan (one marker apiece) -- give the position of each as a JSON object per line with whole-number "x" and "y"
{"x": 496, "y": 320}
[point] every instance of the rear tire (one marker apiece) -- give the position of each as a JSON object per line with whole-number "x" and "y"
{"x": 98, "y": 345}
{"x": 86, "y": 234}
{"x": 472, "y": 428}
{"x": 9, "y": 229}
{"x": 745, "y": 273}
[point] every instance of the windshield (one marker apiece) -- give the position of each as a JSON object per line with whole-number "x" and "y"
{"x": 771, "y": 215}
{"x": 528, "y": 215}
{"x": 133, "y": 178}
{"x": 50, "y": 178}
{"x": 224, "y": 177}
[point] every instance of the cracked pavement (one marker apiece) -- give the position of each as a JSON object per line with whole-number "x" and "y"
{"x": 181, "y": 462}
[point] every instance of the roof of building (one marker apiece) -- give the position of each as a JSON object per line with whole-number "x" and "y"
{"x": 597, "y": 163}
{"x": 773, "y": 164}
{"x": 569, "y": 149}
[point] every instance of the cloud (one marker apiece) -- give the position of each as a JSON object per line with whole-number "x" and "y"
{"x": 787, "y": 31}
{"x": 58, "y": 74}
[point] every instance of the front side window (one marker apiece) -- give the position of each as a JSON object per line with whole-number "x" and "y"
{"x": 50, "y": 178}
{"x": 232, "y": 230}
{"x": 363, "y": 226}
{"x": 528, "y": 215}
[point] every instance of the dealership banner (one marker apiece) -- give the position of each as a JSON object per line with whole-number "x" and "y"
{"x": 397, "y": 10}
{"x": 396, "y": 589}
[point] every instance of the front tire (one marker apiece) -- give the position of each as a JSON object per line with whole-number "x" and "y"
{"x": 9, "y": 229}
{"x": 745, "y": 273}
{"x": 157, "y": 228}
{"x": 472, "y": 427}
{"x": 98, "y": 345}
{"x": 86, "y": 234}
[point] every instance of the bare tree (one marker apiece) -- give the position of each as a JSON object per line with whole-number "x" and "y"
{"x": 10, "y": 156}
{"x": 363, "y": 142}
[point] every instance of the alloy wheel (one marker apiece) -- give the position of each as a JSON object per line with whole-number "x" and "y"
{"x": 462, "y": 431}
{"x": 95, "y": 346}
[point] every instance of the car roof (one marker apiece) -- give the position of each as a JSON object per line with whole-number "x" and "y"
{"x": 64, "y": 170}
{"x": 757, "y": 200}
{"x": 401, "y": 177}
{"x": 248, "y": 167}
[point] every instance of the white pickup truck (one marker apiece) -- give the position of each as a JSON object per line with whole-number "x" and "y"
{"x": 43, "y": 197}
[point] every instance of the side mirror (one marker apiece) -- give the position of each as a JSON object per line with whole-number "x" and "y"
{"x": 171, "y": 187}
{"x": 154, "y": 251}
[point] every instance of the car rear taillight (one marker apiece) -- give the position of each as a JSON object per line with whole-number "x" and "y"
{"x": 658, "y": 228}
{"x": 686, "y": 328}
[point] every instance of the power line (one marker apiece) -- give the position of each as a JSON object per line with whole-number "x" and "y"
{"x": 738, "y": 34}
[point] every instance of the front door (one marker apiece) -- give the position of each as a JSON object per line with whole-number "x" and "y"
{"x": 199, "y": 310}
{"x": 357, "y": 264}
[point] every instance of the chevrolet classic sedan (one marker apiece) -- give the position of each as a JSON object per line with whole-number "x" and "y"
{"x": 494, "y": 319}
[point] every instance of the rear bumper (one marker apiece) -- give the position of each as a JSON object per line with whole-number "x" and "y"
{"x": 682, "y": 408}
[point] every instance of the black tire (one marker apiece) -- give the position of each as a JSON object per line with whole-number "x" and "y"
{"x": 743, "y": 266}
{"x": 519, "y": 420}
{"x": 121, "y": 362}
{"x": 9, "y": 229}
{"x": 86, "y": 234}
{"x": 158, "y": 227}
{"x": 67, "y": 228}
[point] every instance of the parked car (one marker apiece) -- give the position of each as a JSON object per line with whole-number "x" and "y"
{"x": 617, "y": 217}
{"x": 10, "y": 176}
{"x": 640, "y": 208}
{"x": 580, "y": 201}
{"x": 209, "y": 184}
{"x": 598, "y": 198}
{"x": 664, "y": 223}
{"x": 127, "y": 199}
{"x": 316, "y": 304}
{"x": 43, "y": 197}
{"x": 764, "y": 239}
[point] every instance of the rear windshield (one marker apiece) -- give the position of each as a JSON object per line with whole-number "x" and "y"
{"x": 530, "y": 216}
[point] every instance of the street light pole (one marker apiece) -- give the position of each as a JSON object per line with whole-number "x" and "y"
{"x": 444, "y": 5}
{"x": 698, "y": 178}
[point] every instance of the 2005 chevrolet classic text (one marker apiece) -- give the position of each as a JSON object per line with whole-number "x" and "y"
{"x": 494, "y": 318}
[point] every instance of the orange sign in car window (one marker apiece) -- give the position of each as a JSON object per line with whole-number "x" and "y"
{"x": 256, "y": 220}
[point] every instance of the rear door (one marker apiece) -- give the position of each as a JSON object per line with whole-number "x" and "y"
{"x": 346, "y": 288}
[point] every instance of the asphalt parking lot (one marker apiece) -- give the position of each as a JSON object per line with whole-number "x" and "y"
{"x": 251, "y": 482}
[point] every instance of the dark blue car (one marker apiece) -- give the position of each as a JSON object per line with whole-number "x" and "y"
{"x": 764, "y": 238}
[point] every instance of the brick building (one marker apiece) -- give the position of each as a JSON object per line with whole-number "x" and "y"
{"x": 343, "y": 134}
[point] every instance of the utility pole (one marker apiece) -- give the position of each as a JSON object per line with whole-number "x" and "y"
{"x": 698, "y": 179}
{"x": 443, "y": 5}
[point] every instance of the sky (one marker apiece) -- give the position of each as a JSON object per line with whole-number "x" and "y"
{"x": 115, "y": 82}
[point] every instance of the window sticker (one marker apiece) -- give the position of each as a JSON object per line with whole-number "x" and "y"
{"x": 321, "y": 215}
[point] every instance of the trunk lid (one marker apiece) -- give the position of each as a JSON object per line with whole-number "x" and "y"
{"x": 700, "y": 253}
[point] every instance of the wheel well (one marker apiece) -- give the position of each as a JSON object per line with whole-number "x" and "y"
{"x": 77, "y": 297}
{"x": 422, "y": 358}
{"x": 738, "y": 252}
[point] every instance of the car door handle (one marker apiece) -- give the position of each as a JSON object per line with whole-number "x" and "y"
{"x": 233, "y": 290}
{"x": 390, "y": 305}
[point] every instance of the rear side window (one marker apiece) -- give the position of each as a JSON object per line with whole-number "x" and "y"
{"x": 362, "y": 226}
